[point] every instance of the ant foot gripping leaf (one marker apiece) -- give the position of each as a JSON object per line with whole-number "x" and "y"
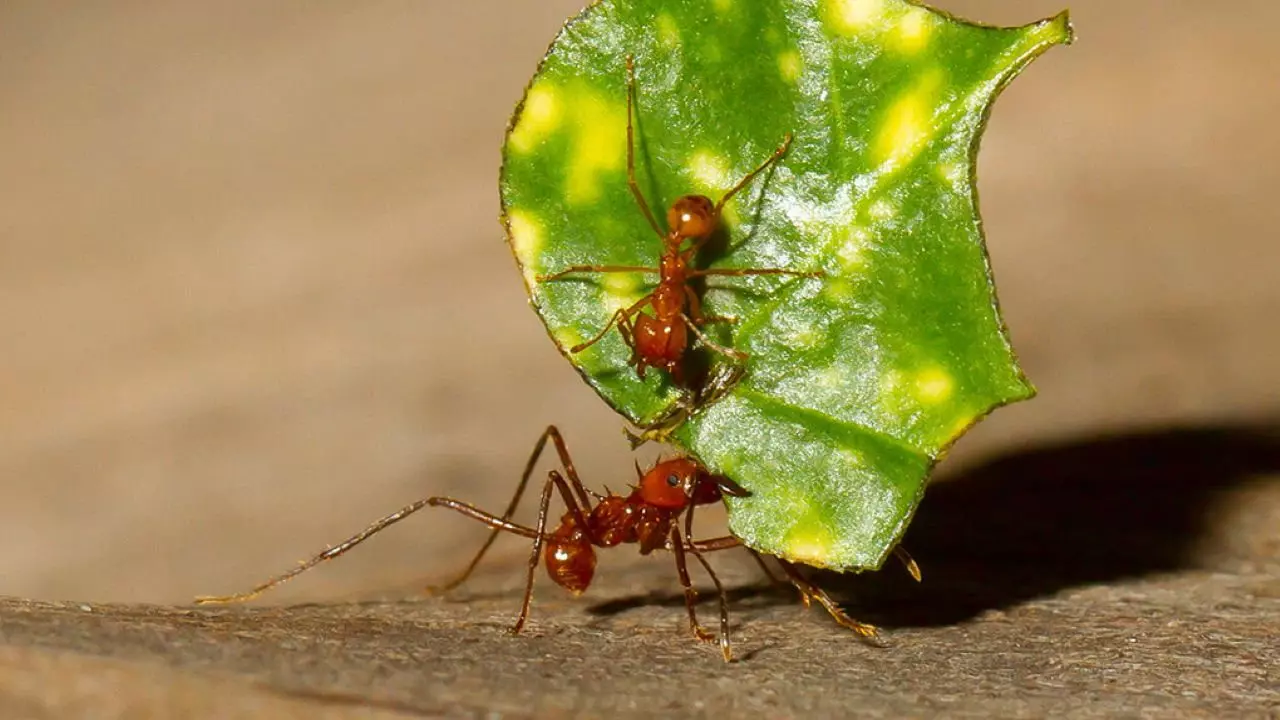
{"x": 859, "y": 374}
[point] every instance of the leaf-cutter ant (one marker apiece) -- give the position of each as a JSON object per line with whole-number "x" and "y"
{"x": 660, "y": 340}
{"x": 649, "y": 517}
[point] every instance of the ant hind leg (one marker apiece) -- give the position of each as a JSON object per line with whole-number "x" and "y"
{"x": 333, "y": 552}
{"x": 554, "y": 482}
{"x": 622, "y": 315}
{"x": 552, "y": 433}
{"x": 813, "y": 592}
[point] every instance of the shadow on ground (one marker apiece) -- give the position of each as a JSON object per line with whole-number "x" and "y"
{"x": 1041, "y": 520}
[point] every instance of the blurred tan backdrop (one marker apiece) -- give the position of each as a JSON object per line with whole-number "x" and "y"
{"x": 253, "y": 292}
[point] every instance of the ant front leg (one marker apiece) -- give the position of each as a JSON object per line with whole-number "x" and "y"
{"x": 690, "y": 594}
{"x": 631, "y": 152}
{"x": 725, "y": 648}
{"x": 777, "y": 154}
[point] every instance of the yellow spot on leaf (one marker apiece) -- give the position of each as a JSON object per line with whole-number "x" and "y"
{"x": 850, "y": 17}
{"x": 722, "y": 6}
{"x": 913, "y": 29}
{"x": 567, "y": 337}
{"x": 809, "y": 542}
{"x": 908, "y": 124}
{"x": 711, "y": 174}
{"x": 599, "y": 146}
{"x": 934, "y": 385}
{"x": 525, "y": 231}
{"x": 668, "y": 30}
{"x": 621, "y": 290}
{"x": 789, "y": 65}
{"x": 538, "y": 118}
{"x": 709, "y": 170}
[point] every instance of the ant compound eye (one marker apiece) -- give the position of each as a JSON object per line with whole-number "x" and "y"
{"x": 673, "y": 480}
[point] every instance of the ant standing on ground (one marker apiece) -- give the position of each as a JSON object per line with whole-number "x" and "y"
{"x": 660, "y": 340}
{"x": 649, "y": 517}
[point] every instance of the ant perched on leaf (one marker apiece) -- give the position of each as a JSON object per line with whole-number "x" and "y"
{"x": 649, "y": 516}
{"x": 660, "y": 340}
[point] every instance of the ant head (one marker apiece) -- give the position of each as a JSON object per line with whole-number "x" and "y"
{"x": 670, "y": 484}
{"x": 692, "y": 216}
{"x": 680, "y": 482}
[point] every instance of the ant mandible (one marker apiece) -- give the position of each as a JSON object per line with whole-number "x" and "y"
{"x": 660, "y": 340}
{"x": 648, "y": 516}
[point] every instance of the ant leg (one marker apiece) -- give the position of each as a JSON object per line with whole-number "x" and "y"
{"x": 481, "y": 516}
{"x": 786, "y": 142}
{"x": 774, "y": 578}
{"x": 725, "y": 648}
{"x": 534, "y": 553}
{"x": 690, "y": 594}
{"x": 727, "y": 352}
{"x": 912, "y": 568}
{"x": 695, "y": 309}
{"x": 765, "y": 568}
{"x": 631, "y": 152}
{"x": 552, "y": 433}
{"x": 618, "y": 317}
{"x": 596, "y": 269}
{"x": 806, "y": 587}
{"x": 740, "y": 272}
{"x": 626, "y": 327}
{"x": 554, "y": 482}
{"x": 727, "y": 542}
{"x": 333, "y": 552}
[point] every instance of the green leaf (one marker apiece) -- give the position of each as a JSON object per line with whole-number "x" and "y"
{"x": 857, "y": 380}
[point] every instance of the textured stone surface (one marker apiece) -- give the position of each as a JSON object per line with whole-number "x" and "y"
{"x": 1044, "y": 593}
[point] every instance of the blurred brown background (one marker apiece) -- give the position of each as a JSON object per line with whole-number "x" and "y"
{"x": 253, "y": 291}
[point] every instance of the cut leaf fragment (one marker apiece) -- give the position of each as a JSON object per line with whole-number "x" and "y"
{"x": 857, "y": 380}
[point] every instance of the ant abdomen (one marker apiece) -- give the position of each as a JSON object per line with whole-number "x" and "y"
{"x": 570, "y": 559}
{"x": 692, "y": 216}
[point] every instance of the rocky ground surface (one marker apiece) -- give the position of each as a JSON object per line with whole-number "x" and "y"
{"x": 1042, "y": 595}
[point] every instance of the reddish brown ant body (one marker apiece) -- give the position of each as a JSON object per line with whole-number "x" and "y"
{"x": 661, "y": 340}
{"x": 649, "y": 516}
